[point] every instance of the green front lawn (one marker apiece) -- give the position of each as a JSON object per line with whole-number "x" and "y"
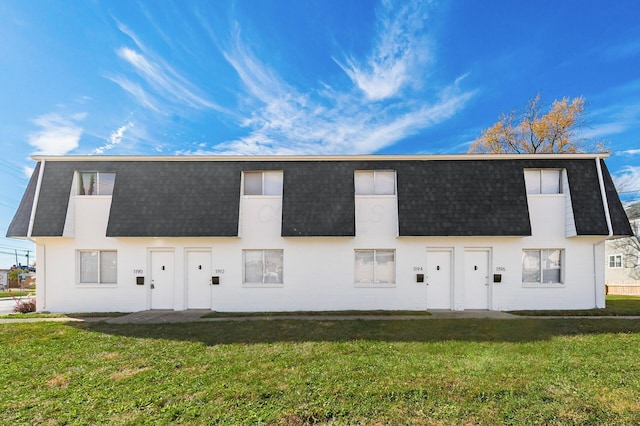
{"x": 615, "y": 306}
{"x": 435, "y": 371}
{"x": 16, "y": 293}
{"x": 315, "y": 314}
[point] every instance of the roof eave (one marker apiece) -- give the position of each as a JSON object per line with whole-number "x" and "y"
{"x": 367, "y": 157}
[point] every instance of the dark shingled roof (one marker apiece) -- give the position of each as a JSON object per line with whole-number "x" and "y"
{"x": 318, "y": 199}
{"x": 175, "y": 199}
{"x": 462, "y": 198}
{"x": 465, "y": 197}
{"x": 19, "y": 226}
{"x": 633, "y": 211}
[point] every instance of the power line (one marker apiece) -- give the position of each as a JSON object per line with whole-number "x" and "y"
{"x": 3, "y": 247}
{"x": 13, "y": 166}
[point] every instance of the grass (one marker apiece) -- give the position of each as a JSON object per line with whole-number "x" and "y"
{"x": 15, "y": 293}
{"x": 471, "y": 371}
{"x": 74, "y": 315}
{"x": 615, "y": 306}
{"x": 314, "y": 314}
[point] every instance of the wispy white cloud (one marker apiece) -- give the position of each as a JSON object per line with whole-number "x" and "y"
{"x": 161, "y": 79}
{"x": 137, "y": 92}
{"x": 616, "y": 118}
{"x": 630, "y": 152}
{"x": 165, "y": 80}
{"x": 28, "y": 171}
{"x": 604, "y": 129}
{"x": 327, "y": 120}
{"x": 622, "y": 51}
{"x": 627, "y": 181}
{"x": 400, "y": 50}
{"x": 58, "y": 134}
{"x": 114, "y": 139}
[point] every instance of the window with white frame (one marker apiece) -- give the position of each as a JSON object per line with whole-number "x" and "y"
{"x": 543, "y": 181}
{"x": 96, "y": 183}
{"x": 542, "y": 266}
{"x": 615, "y": 261}
{"x": 375, "y": 267}
{"x": 375, "y": 182}
{"x": 263, "y": 183}
{"x": 98, "y": 267}
{"x": 263, "y": 266}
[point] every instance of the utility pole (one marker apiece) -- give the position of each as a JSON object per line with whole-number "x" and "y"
{"x": 28, "y": 251}
{"x": 16, "y": 251}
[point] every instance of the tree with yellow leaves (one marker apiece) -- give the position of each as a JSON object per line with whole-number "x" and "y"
{"x": 538, "y": 132}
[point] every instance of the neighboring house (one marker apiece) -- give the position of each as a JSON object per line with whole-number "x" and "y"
{"x": 622, "y": 259}
{"x": 4, "y": 279}
{"x": 370, "y": 232}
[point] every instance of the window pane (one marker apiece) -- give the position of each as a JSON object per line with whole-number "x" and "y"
{"x": 87, "y": 184}
{"x": 106, "y": 181}
{"x": 550, "y": 182}
{"x": 273, "y": 183}
{"x": 385, "y": 183}
{"x": 253, "y": 183}
{"x": 551, "y": 268}
{"x": 531, "y": 266}
{"x": 89, "y": 267}
{"x": 364, "y": 266}
{"x": 364, "y": 183}
{"x": 273, "y": 266}
{"x": 385, "y": 266}
{"x": 532, "y": 181}
{"x": 253, "y": 266}
{"x": 108, "y": 267}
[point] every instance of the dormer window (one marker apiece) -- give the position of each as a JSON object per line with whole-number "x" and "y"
{"x": 375, "y": 182}
{"x": 96, "y": 183}
{"x": 543, "y": 181}
{"x": 263, "y": 183}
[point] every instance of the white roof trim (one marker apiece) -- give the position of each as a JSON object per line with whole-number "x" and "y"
{"x": 418, "y": 157}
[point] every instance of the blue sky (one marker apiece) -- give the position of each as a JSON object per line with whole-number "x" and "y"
{"x": 302, "y": 77}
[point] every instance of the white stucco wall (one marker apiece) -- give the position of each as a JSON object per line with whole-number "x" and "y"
{"x": 318, "y": 271}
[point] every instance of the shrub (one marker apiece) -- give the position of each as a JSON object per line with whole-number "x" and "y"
{"x": 25, "y": 306}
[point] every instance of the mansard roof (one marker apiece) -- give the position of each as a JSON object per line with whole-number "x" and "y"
{"x": 450, "y": 195}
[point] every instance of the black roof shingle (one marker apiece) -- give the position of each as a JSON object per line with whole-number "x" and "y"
{"x": 461, "y": 197}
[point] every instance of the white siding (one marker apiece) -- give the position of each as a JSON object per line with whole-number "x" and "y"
{"x": 319, "y": 271}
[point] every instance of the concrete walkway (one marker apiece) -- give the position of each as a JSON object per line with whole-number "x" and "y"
{"x": 167, "y": 316}
{"x": 195, "y": 315}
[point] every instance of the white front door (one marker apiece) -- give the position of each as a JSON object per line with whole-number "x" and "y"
{"x": 162, "y": 279}
{"x": 199, "y": 279}
{"x": 476, "y": 279}
{"x": 438, "y": 279}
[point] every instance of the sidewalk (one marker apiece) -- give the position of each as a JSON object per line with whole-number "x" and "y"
{"x": 195, "y": 315}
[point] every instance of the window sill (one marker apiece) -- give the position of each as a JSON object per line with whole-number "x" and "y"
{"x": 96, "y": 285}
{"x": 541, "y": 285}
{"x": 263, "y": 196}
{"x": 257, "y": 285}
{"x": 101, "y": 197}
{"x": 375, "y": 285}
